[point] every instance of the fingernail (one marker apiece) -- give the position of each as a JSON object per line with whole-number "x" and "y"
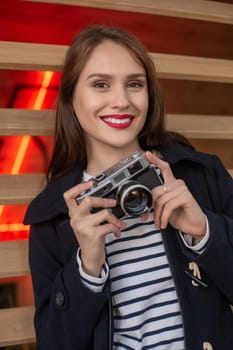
{"x": 117, "y": 234}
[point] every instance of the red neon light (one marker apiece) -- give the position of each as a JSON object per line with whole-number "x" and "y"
{"x": 24, "y": 143}
{"x": 20, "y": 155}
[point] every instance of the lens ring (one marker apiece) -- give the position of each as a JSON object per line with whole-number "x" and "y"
{"x": 140, "y": 202}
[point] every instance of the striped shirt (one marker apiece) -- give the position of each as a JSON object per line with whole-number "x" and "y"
{"x": 145, "y": 305}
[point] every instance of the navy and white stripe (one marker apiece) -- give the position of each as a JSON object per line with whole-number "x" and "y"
{"x": 145, "y": 305}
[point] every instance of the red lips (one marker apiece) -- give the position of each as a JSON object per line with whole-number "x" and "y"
{"x": 118, "y": 121}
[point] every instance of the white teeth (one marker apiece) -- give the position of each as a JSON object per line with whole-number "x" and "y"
{"x": 117, "y": 121}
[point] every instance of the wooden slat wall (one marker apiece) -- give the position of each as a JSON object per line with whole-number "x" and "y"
{"x": 14, "y": 259}
{"x": 29, "y": 56}
{"x": 26, "y": 122}
{"x": 17, "y": 326}
{"x": 211, "y": 11}
{"x": 14, "y": 191}
{"x": 17, "y": 323}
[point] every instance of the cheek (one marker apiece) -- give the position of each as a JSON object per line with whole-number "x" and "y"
{"x": 79, "y": 104}
{"x": 82, "y": 110}
{"x": 141, "y": 101}
{"x": 86, "y": 105}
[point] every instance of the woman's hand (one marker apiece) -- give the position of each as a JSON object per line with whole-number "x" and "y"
{"x": 90, "y": 229}
{"x": 174, "y": 203}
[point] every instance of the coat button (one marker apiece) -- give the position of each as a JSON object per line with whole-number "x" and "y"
{"x": 60, "y": 299}
{"x": 207, "y": 346}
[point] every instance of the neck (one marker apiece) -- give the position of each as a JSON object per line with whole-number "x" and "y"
{"x": 102, "y": 159}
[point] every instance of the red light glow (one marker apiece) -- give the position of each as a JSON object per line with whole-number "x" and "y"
{"x": 21, "y": 145}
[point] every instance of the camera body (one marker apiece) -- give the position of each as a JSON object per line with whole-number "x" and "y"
{"x": 129, "y": 182}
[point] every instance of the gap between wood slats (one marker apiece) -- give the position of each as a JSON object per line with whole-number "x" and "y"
{"x": 17, "y": 326}
{"x": 14, "y": 258}
{"x": 201, "y": 10}
{"x": 29, "y": 122}
{"x": 28, "y": 56}
{"x": 21, "y": 189}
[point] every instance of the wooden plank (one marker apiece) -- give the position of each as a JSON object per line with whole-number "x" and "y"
{"x": 212, "y": 11}
{"x": 28, "y": 56}
{"x": 14, "y": 259}
{"x": 31, "y": 122}
{"x": 17, "y": 326}
{"x": 193, "y": 68}
{"x": 26, "y": 122}
{"x": 20, "y": 189}
{"x": 201, "y": 126}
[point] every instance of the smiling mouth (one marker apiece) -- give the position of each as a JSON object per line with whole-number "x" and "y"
{"x": 118, "y": 121}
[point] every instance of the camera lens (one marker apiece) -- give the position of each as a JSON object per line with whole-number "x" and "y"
{"x": 135, "y": 199}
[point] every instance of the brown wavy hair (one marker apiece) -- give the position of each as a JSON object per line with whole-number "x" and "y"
{"x": 69, "y": 146}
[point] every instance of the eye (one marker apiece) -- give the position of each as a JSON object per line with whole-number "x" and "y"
{"x": 101, "y": 84}
{"x": 135, "y": 84}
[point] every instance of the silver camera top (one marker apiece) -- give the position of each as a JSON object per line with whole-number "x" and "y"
{"x": 118, "y": 173}
{"x": 122, "y": 165}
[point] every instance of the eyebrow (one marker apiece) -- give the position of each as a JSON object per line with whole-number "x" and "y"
{"x": 107, "y": 76}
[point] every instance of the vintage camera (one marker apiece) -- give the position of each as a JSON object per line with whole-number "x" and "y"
{"x": 129, "y": 182}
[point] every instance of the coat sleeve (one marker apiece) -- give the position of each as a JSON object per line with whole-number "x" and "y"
{"x": 217, "y": 258}
{"x": 67, "y": 313}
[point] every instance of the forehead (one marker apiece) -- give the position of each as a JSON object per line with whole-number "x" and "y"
{"x": 110, "y": 57}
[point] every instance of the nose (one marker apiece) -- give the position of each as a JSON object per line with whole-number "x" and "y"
{"x": 120, "y": 98}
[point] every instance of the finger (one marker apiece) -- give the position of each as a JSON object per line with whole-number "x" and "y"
{"x": 88, "y": 203}
{"x": 145, "y": 216}
{"x": 95, "y": 226}
{"x": 168, "y": 201}
{"x": 106, "y": 216}
{"x": 162, "y": 165}
{"x": 74, "y": 192}
{"x": 104, "y": 222}
{"x": 168, "y": 211}
{"x": 159, "y": 191}
{"x": 107, "y": 228}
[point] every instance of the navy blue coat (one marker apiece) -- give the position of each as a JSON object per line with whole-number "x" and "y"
{"x": 71, "y": 317}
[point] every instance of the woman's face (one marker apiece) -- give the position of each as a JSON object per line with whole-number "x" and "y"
{"x": 111, "y": 99}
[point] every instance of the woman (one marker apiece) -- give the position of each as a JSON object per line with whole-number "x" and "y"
{"x": 162, "y": 280}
